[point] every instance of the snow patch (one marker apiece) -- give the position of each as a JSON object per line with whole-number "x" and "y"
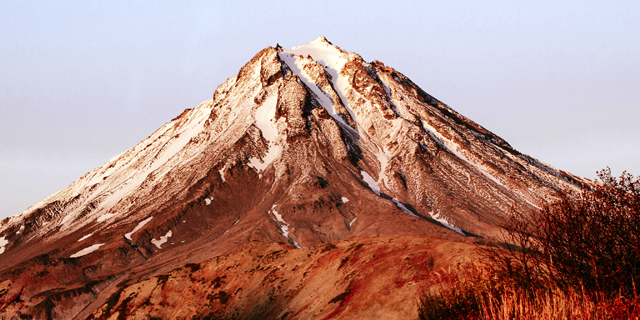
{"x": 266, "y": 122}
{"x": 222, "y": 175}
{"x": 163, "y": 240}
{"x": 345, "y": 200}
{"x": 20, "y": 230}
{"x": 260, "y": 165}
{"x": 352, "y": 221}
{"x": 87, "y": 250}
{"x": 85, "y": 237}
{"x": 101, "y": 218}
{"x": 284, "y": 226}
{"x": 266, "y": 118}
{"x": 138, "y": 227}
{"x": 373, "y": 185}
{"x": 402, "y": 207}
{"x": 3, "y": 243}
{"x": 445, "y": 223}
{"x": 207, "y": 201}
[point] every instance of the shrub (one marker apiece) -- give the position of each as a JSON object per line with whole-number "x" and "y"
{"x": 577, "y": 258}
{"x": 592, "y": 240}
{"x": 585, "y": 240}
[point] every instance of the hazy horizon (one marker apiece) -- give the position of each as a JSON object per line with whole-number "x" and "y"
{"x": 82, "y": 82}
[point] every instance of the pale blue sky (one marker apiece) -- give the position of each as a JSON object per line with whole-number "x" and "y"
{"x": 81, "y": 81}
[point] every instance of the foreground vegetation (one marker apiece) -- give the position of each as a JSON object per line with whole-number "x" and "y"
{"x": 579, "y": 258}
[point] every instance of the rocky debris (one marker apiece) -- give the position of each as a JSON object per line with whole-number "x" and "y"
{"x": 359, "y": 278}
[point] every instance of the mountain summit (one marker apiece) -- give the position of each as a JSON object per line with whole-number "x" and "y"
{"x": 304, "y": 146}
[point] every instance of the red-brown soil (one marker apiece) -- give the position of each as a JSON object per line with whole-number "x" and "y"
{"x": 358, "y": 278}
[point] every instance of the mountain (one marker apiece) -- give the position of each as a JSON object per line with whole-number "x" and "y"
{"x": 303, "y": 147}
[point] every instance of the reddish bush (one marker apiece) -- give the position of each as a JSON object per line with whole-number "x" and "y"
{"x": 581, "y": 252}
{"x": 587, "y": 240}
{"x": 592, "y": 240}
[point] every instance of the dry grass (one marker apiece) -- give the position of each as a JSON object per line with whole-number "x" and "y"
{"x": 477, "y": 293}
{"x": 556, "y": 304}
{"x": 578, "y": 258}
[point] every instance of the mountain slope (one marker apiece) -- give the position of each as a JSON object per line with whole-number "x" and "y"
{"x": 359, "y": 278}
{"x": 304, "y": 146}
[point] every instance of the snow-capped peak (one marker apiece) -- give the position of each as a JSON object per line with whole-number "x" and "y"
{"x": 332, "y": 59}
{"x": 319, "y": 42}
{"x": 323, "y": 52}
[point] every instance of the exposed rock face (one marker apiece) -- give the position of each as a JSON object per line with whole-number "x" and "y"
{"x": 304, "y": 146}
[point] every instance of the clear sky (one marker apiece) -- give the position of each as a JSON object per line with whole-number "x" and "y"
{"x": 82, "y": 81}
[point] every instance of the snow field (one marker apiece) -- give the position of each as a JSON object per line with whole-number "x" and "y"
{"x": 85, "y": 237}
{"x": 284, "y": 226}
{"x": 3, "y": 243}
{"x": 373, "y": 184}
{"x": 445, "y": 223}
{"x": 266, "y": 118}
{"x": 402, "y": 207}
{"x": 87, "y": 250}
{"x": 163, "y": 240}
{"x": 138, "y": 227}
{"x": 266, "y": 122}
